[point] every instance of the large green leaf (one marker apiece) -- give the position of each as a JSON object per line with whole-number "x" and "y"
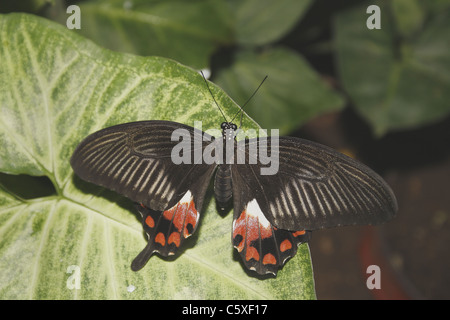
{"x": 55, "y": 88}
{"x": 293, "y": 93}
{"x": 397, "y": 76}
{"x": 187, "y": 31}
{"x": 259, "y": 22}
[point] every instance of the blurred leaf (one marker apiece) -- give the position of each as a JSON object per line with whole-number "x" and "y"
{"x": 186, "y": 31}
{"x": 30, "y": 6}
{"x": 396, "y": 81}
{"x": 57, "y": 87}
{"x": 435, "y": 6}
{"x": 408, "y": 16}
{"x": 293, "y": 93}
{"x": 259, "y": 22}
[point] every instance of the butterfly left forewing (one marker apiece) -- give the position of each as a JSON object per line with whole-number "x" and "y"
{"x": 135, "y": 160}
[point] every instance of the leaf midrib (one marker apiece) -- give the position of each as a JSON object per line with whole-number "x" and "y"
{"x": 48, "y": 126}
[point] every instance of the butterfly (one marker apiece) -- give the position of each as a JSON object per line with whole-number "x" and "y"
{"x": 314, "y": 187}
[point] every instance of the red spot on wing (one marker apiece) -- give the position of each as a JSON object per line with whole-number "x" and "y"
{"x": 250, "y": 253}
{"x": 298, "y": 233}
{"x": 285, "y": 245}
{"x": 160, "y": 239}
{"x": 150, "y": 222}
{"x": 168, "y": 214}
{"x": 269, "y": 259}
{"x": 174, "y": 238}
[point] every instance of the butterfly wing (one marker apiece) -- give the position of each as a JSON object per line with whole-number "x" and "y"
{"x": 135, "y": 160}
{"x": 167, "y": 230}
{"x": 263, "y": 247}
{"x": 314, "y": 187}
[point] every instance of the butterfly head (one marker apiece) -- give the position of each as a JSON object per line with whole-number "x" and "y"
{"x": 228, "y": 129}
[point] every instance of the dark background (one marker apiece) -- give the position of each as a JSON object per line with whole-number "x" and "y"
{"x": 411, "y": 250}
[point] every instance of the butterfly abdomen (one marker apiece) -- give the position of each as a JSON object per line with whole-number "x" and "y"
{"x": 222, "y": 185}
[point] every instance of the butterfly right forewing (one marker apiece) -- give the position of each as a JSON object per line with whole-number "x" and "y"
{"x": 316, "y": 187}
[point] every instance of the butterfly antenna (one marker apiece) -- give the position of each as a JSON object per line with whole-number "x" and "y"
{"x": 220, "y": 109}
{"x": 248, "y": 100}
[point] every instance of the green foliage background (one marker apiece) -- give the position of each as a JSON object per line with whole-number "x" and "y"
{"x": 56, "y": 86}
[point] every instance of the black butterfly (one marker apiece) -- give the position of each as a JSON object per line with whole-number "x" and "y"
{"x": 315, "y": 187}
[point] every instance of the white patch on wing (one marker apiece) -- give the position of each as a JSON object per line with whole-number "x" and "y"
{"x": 187, "y": 198}
{"x": 254, "y": 210}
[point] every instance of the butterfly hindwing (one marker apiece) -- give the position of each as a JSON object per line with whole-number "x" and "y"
{"x": 168, "y": 229}
{"x": 263, "y": 247}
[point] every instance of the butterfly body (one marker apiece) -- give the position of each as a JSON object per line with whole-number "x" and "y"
{"x": 313, "y": 187}
{"x": 223, "y": 185}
